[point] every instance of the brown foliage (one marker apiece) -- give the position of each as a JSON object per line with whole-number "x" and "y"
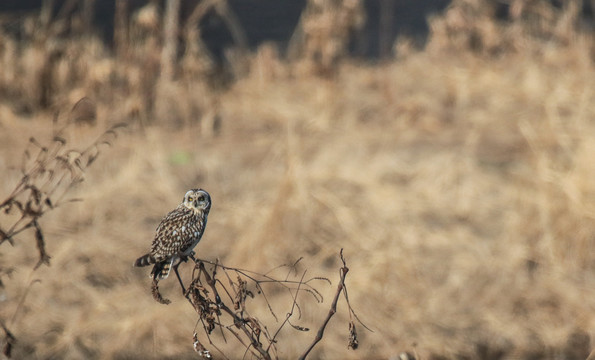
{"x": 223, "y": 304}
{"x": 48, "y": 174}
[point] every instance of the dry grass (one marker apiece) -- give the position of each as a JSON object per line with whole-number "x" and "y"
{"x": 459, "y": 183}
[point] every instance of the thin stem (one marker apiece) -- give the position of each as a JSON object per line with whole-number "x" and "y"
{"x": 343, "y": 272}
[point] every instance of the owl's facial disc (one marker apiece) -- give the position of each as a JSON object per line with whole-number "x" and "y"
{"x": 202, "y": 199}
{"x": 197, "y": 199}
{"x": 189, "y": 199}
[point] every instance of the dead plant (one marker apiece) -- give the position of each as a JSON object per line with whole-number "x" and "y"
{"x": 49, "y": 172}
{"x": 225, "y": 298}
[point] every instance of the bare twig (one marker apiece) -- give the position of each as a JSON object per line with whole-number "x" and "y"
{"x": 23, "y": 297}
{"x": 289, "y": 314}
{"x": 341, "y": 288}
{"x": 343, "y": 272}
{"x": 225, "y": 306}
{"x": 9, "y": 339}
{"x": 49, "y": 173}
{"x": 246, "y": 326}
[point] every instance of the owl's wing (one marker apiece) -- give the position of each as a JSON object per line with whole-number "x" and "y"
{"x": 168, "y": 238}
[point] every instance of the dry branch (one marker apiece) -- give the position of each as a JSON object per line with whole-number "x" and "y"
{"x": 227, "y": 306}
{"x": 9, "y": 339}
{"x": 47, "y": 177}
{"x": 340, "y": 289}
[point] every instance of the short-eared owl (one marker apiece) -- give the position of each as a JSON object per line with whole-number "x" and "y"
{"x": 177, "y": 234}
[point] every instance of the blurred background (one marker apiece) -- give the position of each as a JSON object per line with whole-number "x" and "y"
{"x": 447, "y": 146}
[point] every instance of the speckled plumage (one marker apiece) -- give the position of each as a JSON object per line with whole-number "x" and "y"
{"x": 178, "y": 233}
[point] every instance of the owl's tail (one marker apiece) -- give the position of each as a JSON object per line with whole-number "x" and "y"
{"x": 145, "y": 260}
{"x": 160, "y": 270}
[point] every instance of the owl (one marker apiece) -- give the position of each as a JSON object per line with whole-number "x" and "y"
{"x": 177, "y": 234}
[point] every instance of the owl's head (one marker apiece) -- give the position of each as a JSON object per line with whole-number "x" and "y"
{"x": 197, "y": 200}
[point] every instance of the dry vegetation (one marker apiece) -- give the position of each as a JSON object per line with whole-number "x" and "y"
{"x": 459, "y": 179}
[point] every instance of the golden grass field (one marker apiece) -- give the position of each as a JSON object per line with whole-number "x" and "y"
{"x": 460, "y": 183}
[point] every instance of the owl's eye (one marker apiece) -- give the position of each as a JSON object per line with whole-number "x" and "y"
{"x": 190, "y": 198}
{"x": 201, "y": 198}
